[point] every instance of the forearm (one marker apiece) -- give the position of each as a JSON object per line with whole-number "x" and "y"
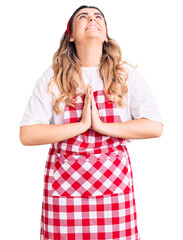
{"x": 134, "y": 129}
{"x": 40, "y": 134}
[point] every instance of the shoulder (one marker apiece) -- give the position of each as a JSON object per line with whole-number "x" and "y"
{"x": 41, "y": 85}
{"x": 130, "y": 69}
{"x": 135, "y": 78}
{"x": 46, "y": 76}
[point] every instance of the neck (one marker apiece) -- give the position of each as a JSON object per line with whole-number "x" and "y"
{"x": 89, "y": 54}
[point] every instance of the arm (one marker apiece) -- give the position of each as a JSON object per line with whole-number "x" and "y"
{"x": 39, "y": 134}
{"x": 134, "y": 129}
{"x": 143, "y": 107}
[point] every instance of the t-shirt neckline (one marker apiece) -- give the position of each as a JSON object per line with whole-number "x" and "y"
{"x": 88, "y": 68}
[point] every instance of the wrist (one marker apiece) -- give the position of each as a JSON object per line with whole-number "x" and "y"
{"x": 99, "y": 127}
{"x": 83, "y": 126}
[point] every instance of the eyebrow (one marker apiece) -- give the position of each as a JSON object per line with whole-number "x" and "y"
{"x": 85, "y": 13}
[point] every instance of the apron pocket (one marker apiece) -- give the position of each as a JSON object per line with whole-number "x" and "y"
{"x": 91, "y": 177}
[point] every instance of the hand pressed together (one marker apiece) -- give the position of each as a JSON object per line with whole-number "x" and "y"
{"x": 90, "y": 117}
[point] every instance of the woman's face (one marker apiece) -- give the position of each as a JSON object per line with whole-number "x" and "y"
{"x": 88, "y": 23}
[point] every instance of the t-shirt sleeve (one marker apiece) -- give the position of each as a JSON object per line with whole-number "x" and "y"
{"x": 141, "y": 99}
{"x": 39, "y": 109}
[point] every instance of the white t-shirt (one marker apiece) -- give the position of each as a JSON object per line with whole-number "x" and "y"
{"x": 140, "y": 100}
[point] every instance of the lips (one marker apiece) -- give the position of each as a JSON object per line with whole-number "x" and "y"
{"x": 93, "y": 26}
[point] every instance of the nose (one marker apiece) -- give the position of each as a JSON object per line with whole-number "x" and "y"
{"x": 91, "y": 18}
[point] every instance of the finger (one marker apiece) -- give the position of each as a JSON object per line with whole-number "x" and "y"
{"x": 88, "y": 97}
{"x": 91, "y": 91}
{"x": 92, "y": 97}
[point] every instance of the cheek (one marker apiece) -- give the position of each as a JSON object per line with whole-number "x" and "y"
{"x": 79, "y": 26}
{"x": 103, "y": 26}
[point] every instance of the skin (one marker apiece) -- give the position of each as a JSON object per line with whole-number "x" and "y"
{"x": 89, "y": 44}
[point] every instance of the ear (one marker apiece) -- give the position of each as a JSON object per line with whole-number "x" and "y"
{"x": 71, "y": 39}
{"x": 106, "y": 40}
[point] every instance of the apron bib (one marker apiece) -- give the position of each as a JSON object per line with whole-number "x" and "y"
{"x": 91, "y": 164}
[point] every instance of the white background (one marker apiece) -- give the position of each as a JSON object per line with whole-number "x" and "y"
{"x": 150, "y": 35}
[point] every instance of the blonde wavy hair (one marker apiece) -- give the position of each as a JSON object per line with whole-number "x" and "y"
{"x": 68, "y": 75}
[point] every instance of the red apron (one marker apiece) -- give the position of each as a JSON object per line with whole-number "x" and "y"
{"x": 89, "y": 166}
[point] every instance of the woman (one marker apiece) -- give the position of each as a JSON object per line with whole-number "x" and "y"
{"x": 87, "y": 105}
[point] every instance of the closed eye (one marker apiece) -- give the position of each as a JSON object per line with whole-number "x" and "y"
{"x": 82, "y": 16}
{"x": 99, "y": 17}
{"x": 85, "y": 16}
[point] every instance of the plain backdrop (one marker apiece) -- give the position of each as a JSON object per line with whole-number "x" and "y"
{"x": 150, "y": 35}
